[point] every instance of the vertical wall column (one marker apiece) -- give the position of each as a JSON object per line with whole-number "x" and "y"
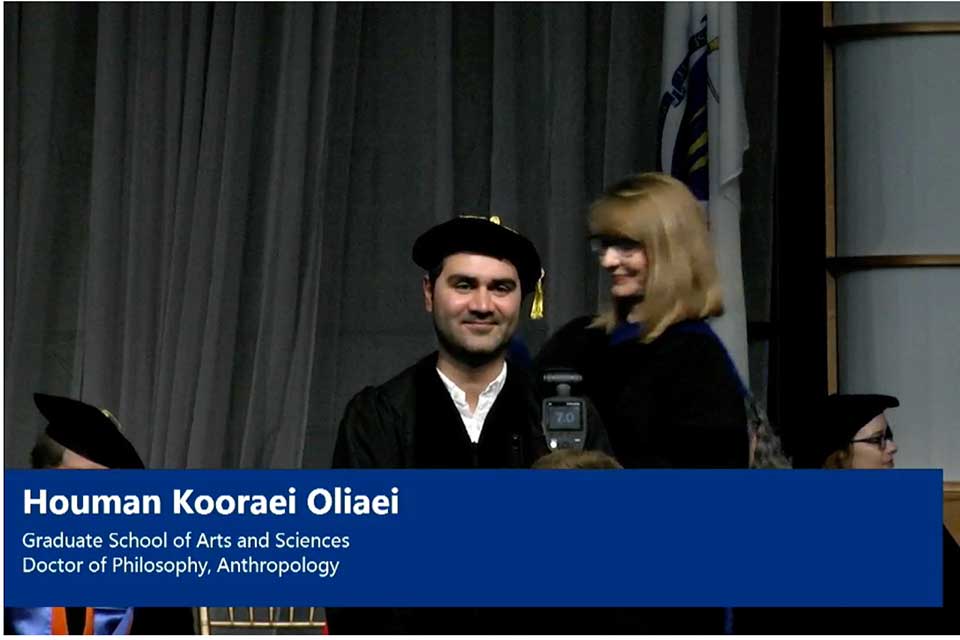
{"x": 892, "y": 99}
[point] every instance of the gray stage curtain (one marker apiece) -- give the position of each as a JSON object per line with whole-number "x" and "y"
{"x": 210, "y": 208}
{"x": 195, "y": 217}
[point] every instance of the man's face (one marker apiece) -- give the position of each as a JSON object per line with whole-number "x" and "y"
{"x": 73, "y": 460}
{"x": 475, "y": 304}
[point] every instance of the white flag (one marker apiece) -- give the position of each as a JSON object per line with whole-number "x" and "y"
{"x": 703, "y": 134}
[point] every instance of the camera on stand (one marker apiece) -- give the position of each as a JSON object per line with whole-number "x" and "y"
{"x": 564, "y": 417}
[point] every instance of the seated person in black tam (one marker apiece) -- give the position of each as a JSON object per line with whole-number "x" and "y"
{"x": 81, "y": 436}
{"x": 852, "y": 432}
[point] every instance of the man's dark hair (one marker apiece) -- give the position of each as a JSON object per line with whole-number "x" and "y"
{"x": 434, "y": 273}
{"x": 47, "y": 453}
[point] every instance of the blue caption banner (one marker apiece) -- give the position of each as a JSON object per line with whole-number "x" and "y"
{"x": 472, "y": 538}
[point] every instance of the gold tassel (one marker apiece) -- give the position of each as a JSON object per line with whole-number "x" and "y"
{"x": 536, "y": 310}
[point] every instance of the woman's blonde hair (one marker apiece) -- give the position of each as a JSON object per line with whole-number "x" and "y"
{"x": 660, "y": 213}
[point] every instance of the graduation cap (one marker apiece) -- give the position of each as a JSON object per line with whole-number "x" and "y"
{"x": 840, "y": 417}
{"x": 87, "y": 430}
{"x": 485, "y": 236}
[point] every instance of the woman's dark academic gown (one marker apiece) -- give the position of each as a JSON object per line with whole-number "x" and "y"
{"x": 676, "y": 402}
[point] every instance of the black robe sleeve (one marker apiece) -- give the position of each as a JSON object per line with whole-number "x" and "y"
{"x": 370, "y": 434}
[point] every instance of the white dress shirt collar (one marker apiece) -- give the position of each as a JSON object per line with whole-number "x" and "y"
{"x": 473, "y": 422}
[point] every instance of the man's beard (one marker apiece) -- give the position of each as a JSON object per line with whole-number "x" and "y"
{"x": 462, "y": 354}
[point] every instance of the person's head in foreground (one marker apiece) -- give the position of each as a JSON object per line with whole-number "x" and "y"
{"x": 478, "y": 272}
{"x": 851, "y": 432}
{"x": 573, "y": 459}
{"x": 80, "y": 436}
{"x": 650, "y": 234}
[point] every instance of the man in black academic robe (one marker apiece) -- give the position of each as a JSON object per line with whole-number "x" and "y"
{"x": 411, "y": 422}
{"x": 478, "y": 273}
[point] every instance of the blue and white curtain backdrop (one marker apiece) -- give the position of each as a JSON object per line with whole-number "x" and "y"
{"x": 703, "y": 134}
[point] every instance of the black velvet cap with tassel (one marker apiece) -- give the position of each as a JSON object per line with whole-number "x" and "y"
{"x": 485, "y": 236}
